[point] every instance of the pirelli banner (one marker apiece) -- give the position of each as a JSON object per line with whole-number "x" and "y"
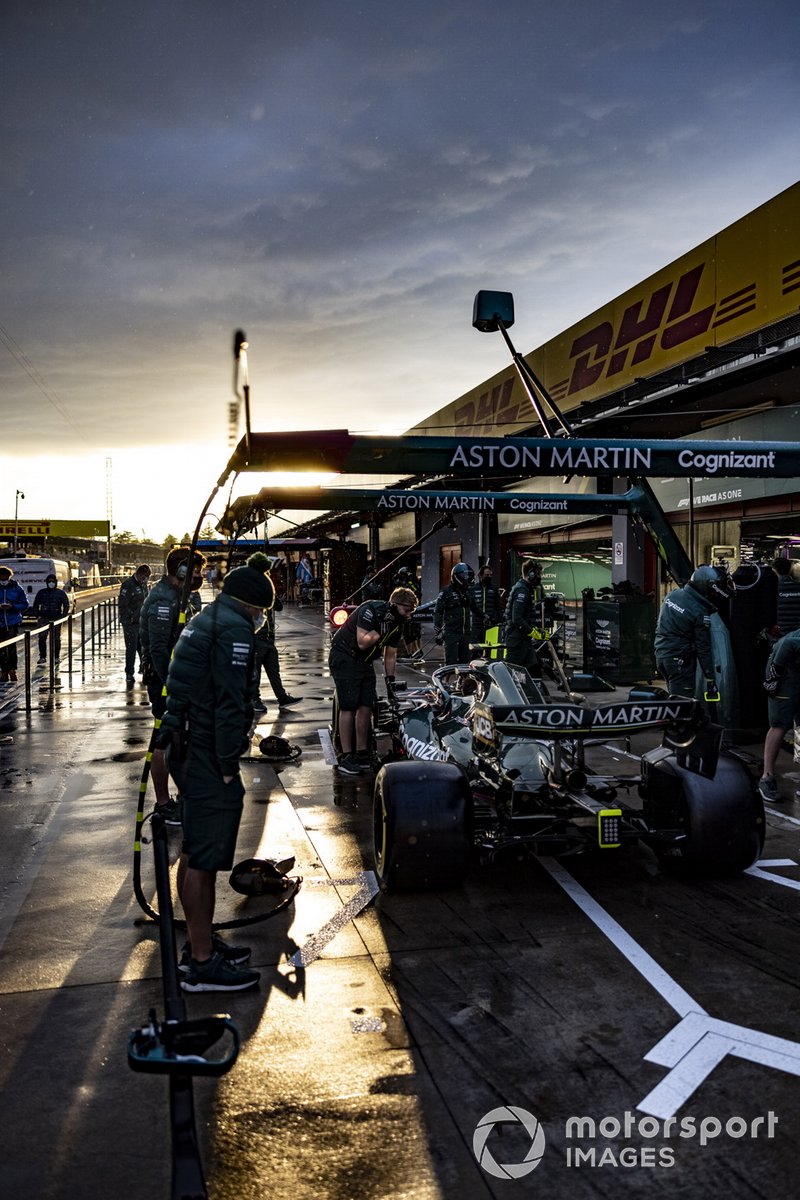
{"x": 740, "y": 280}
{"x": 346, "y": 453}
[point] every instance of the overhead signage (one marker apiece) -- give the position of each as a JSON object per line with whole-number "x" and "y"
{"x": 46, "y": 528}
{"x": 338, "y": 450}
{"x": 396, "y": 500}
{"x": 744, "y": 278}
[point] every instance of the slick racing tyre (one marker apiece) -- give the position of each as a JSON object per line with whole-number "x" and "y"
{"x": 422, "y": 826}
{"x": 722, "y": 819}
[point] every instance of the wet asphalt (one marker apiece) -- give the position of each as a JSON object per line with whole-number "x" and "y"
{"x": 386, "y": 1032}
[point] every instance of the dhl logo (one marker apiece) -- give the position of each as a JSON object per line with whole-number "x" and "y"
{"x": 668, "y": 319}
{"x": 663, "y": 322}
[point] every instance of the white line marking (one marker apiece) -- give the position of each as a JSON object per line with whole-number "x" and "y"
{"x": 758, "y": 873}
{"x": 776, "y": 812}
{"x": 655, "y": 975}
{"x": 699, "y": 1042}
{"x": 318, "y": 941}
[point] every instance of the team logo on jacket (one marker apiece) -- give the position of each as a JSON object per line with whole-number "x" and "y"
{"x": 241, "y": 654}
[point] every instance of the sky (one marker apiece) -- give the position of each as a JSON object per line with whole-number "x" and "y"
{"x": 338, "y": 179}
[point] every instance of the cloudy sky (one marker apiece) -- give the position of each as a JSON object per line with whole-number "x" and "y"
{"x": 338, "y": 178}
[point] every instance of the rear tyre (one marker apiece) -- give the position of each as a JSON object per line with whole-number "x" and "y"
{"x": 422, "y": 826}
{"x": 723, "y": 819}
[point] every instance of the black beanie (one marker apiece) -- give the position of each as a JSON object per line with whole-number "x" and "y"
{"x": 250, "y": 586}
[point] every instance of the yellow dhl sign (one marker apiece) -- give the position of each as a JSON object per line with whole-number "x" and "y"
{"x": 744, "y": 278}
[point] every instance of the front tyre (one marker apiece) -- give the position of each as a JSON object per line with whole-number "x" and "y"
{"x": 422, "y": 826}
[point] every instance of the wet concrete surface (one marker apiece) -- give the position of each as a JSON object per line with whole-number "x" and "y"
{"x": 365, "y": 1072}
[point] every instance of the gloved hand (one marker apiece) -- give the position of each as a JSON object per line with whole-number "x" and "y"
{"x": 439, "y": 639}
{"x": 711, "y": 692}
{"x": 488, "y": 622}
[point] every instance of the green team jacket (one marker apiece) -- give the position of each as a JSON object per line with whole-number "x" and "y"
{"x": 159, "y": 627}
{"x": 213, "y": 682}
{"x": 523, "y": 608}
{"x": 683, "y": 629}
{"x": 454, "y": 610}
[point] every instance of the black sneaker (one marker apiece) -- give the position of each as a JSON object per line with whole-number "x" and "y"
{"x": 217, "y": 975}
{"x": 364, "y": 761}
{"x": 348, "y": 765}
{"x": 286, "y": 700}
{"x": 235, "y": 955}
{"x": 171, "y": 811}
{"x": 259, "y": 705}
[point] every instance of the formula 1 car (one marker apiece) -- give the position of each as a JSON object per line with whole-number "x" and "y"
{"x": 482, "y": 762}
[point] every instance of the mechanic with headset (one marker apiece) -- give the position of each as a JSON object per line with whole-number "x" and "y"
{"x": 453, "y": 614}
{"x": 683, "y": 630}
{"x": 159, "y": 630}
{"x": 211, "y": 687}
{"x": 488, "y": 599}
{"x": 373, "y": 629}
{"x": 523, "y": 619}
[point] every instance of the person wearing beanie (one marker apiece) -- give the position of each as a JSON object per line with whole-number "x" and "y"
{"x": 266, "y": 650}
{"x": 212, "y": 684}
{"x": 159, "y": 630}
{"x": 372, "y": 630}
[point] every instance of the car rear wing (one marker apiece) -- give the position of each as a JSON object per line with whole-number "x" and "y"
{"x": 687, "y": 729}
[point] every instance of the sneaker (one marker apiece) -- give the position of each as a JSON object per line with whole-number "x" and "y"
{"x": 348, "y": 765}
{"x": 235, "y": 955}
{"x": 259, "y": 705}
{"x": 171, "y": 812}
{"x": 768, "y": 789}
{"x": 42, "y": 658}
{"x": 364, "y": 761}
{"x": 286, "y": 700}
{"x": 217, "y": 975}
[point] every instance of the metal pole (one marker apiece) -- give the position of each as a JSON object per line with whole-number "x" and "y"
{"x": 27, "y": 651}
{"x": 16, "y": 516}
{"x": 70, "y": 622}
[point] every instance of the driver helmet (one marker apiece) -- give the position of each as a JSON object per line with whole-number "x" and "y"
{"x": 462, "y": 574}
{"x": 714, "y": 583}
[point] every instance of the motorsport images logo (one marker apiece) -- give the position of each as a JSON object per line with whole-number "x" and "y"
{"x": 509, "y": 1116}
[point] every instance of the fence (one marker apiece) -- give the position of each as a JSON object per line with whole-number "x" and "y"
{"x": 95, "y": 625}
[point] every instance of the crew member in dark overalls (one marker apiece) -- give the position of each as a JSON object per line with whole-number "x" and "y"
{"x": 683, "y": 631}
{"x": 488, "y": 600}
{"x": 211, "y": 686}
{"x": 132, "y": 595}
{"x": 159, "y": 630}
{"x": 266, "y": 650}
{"x": 453, "y": 615}
{"x": 524, "y": 631}
{"x": 372, "y": 630}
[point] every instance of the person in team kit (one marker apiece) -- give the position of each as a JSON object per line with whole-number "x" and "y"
{"x": 372, "y": 630}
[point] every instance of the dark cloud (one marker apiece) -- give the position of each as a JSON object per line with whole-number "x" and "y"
{"x": 340, "y": 178}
